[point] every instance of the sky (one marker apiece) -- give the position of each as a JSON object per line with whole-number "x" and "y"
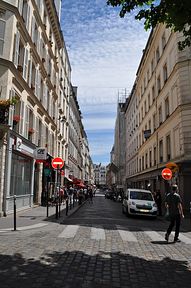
{"x": 104, "y": 52}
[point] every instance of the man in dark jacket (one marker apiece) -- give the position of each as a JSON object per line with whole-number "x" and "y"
{"x": 174, "y": 206}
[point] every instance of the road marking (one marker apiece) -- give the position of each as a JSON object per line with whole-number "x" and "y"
{"x": 183, "y": 238}
{"x": 97, "y": 234}
{"x": 126, "y": 235}
{"x": 38, "y": 225}
{"x": 69, "y": 232}
{"x": 155, "y": 236}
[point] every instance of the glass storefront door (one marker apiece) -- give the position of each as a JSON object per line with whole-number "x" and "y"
{"x": 21, "y": 173}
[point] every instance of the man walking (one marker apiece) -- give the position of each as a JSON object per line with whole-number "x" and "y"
{"x": 174, "y": 207}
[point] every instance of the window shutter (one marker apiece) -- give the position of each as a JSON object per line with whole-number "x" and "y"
{"x": 28, "y": 18}
{"x": 25, "y": 68}
{"x": 16, "y": 56}
{"x": 45, "y": 96}
{"x": 30, "y": 72}
{"x": 37, "y": 131}
{"x": 22, "y": 118}
{"x": 36, "y": 83}
{"x": 26, "y": 118}
{"x": 20, "y": 6}
{"x": 32, "y": 28}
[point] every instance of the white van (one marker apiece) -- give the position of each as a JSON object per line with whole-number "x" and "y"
{"x": 139, "y": 202}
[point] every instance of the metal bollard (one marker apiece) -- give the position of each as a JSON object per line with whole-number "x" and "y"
{"x": 66, "y": 206}
{"x": 15, "y": 213}
{"x": 56, "y": 208}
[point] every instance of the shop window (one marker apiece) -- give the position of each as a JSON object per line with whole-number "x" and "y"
{"x": 21, "y": 171}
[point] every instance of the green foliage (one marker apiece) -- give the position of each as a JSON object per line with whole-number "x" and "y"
{"x": 175, "y": 14}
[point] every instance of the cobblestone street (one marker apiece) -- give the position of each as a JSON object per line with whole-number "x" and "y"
{"x": 97, "y": 247}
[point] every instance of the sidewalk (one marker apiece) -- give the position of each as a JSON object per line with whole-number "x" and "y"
{"x": 35, "y": 217}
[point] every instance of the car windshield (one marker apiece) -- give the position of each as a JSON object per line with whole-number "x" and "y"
{"x": 139, "y": 195}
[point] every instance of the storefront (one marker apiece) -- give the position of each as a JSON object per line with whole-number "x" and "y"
{"x": 19, "y": 174}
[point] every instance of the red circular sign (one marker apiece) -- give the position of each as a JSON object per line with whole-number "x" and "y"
{"x": 166, "y": 174}
{"x": 57, "y": 163}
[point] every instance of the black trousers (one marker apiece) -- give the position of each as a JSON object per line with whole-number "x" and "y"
{"x": 174, "y": 219}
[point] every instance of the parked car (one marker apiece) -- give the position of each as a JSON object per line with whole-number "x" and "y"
{"x": 139, "y": 202}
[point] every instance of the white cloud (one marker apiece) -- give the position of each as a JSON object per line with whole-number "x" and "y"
{"x": 104, "y": 52}
{"x": 99, "y": 123}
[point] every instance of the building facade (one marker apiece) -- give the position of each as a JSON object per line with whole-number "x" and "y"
{"x": 34, "y": 98}
{"x": 158, "y": 116}
{"x": 100, "y": 174}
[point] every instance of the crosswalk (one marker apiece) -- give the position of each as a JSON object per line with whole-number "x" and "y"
{"x": 99, "y": 233}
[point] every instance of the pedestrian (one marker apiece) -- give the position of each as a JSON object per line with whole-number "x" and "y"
{"x": 158, "y": 200}
{"x": 174, "y": 208}
{"x": 90, "y": 195}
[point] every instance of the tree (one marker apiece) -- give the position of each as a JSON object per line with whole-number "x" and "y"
{"x": 175, "y": 14}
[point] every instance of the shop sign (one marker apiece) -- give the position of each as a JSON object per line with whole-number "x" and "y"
{"x": 40, "y": 153}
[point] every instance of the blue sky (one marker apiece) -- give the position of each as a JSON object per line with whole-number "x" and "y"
{"x": 104, "y": 52}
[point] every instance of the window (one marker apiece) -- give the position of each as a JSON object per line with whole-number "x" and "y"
{"x": 152, "y": 66}
{"x": 166, "y": 107}
{"x": 153, "y": 93}
{"x": 160, "y": 115}
{"x": 148, "y": 76}
{"x": 155, "y": 156}
{"x": 163, "y": 41}
{"x": 142, "y": 162}
{"x": 149, "y": 100}
{"x": 165, "y": 74}
{"x": 145, "y": 106}
{"x": 2, "y": 34}
{"x": 21, "y": 171}
{"x": 161, "y": 151}
{"x": 154, "y": 122}
{"x": 158, "y": 84}
{"x": 149, "y": 126}
{"x": 157, "y": 55}
{"x": 146, "y": 160}
{"x": 150, "y": 158}
{"x": 168, "y": 148}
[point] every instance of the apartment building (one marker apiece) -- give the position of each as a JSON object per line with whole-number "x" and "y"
{"x": 100, "y": 174}
{"x": 35, "y": 86}
{"x": 158, "y": 116}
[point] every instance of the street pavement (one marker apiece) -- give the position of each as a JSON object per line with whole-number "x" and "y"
{"x": 95, "y": 247}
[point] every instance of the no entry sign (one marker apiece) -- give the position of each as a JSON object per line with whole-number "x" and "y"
{"x": 57, "y": 163}
{"x": 166, "y": 174}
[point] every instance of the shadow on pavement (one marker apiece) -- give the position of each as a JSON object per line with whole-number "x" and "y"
{"x": 76, "y": 269}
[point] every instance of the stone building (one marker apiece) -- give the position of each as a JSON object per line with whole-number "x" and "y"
{"x": 158, "y": 116}
{"x": 34, "y": 99}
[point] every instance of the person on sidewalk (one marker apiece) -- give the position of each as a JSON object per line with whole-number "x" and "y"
{"x": 174, "y": 207}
